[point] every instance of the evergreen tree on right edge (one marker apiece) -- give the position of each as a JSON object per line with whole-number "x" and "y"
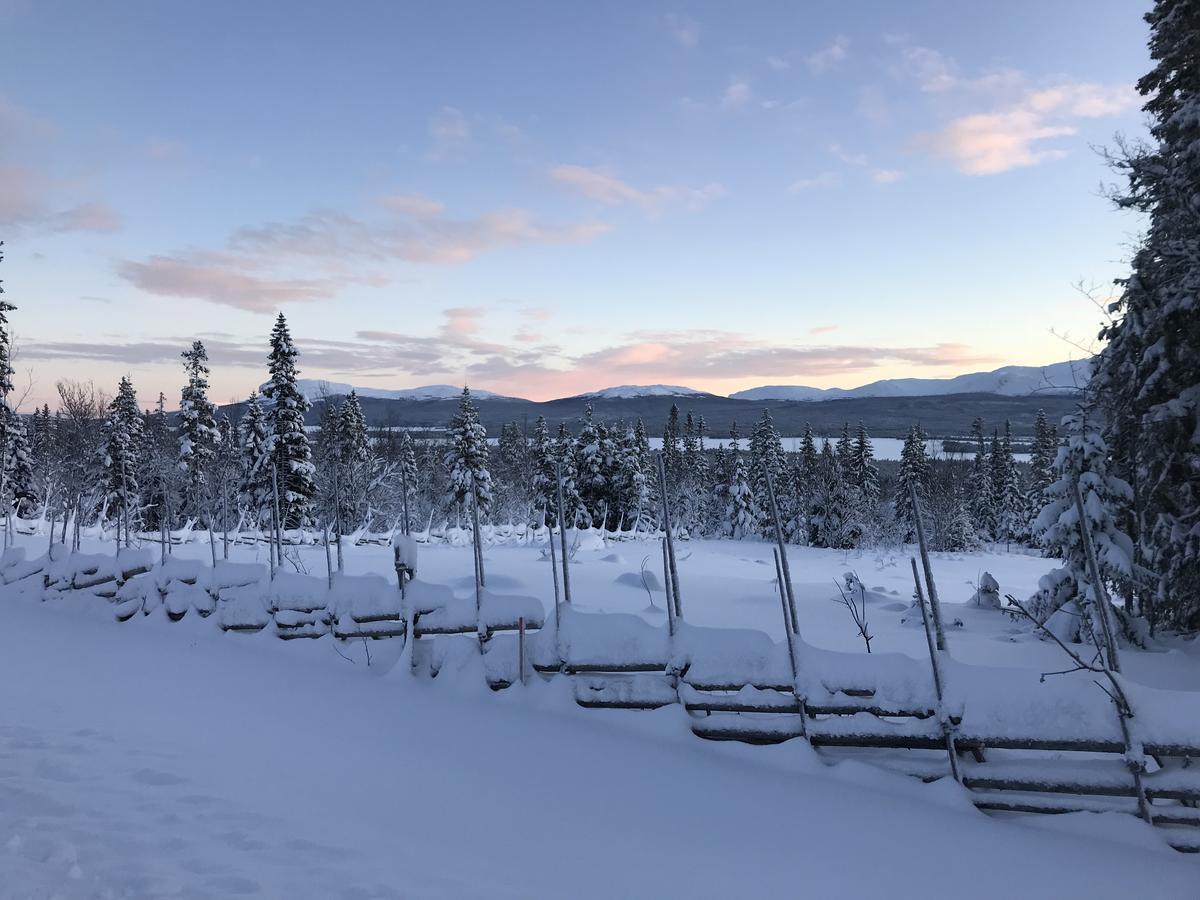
{"x": 1146, "y": 380}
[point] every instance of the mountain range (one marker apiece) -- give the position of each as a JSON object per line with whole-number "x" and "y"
{"x": 1062, "y": 378}
{"x": 945, "y": 407}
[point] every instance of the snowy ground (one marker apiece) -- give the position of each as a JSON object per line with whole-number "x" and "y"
{"x": 152, "y": 759}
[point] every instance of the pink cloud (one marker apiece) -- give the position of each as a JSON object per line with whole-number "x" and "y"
{"x": 255, "y": 270}
{"x": 169, "y": 276}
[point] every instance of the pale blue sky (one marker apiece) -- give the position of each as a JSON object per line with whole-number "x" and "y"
{"x": 542, "y": 198}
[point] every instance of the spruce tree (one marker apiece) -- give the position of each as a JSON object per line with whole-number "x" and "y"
{"x": 592, "y": 465}
{"x": 980, "y": 498}
{"x": 466, "y": 460}
{"x": 741, "y": 511}
{"x": 291, "y": 452}
{"x": 20, "y": 475}
{"x": 845, "y": 450}
{"x": 574, "y": 511}
{"x": 766, "y": 458}
{"x": 407, "y": 474}
{"x": 123, "y": 439}
{"x": 1064, "y": 596}
{"x": 862, "y": 471}
{"x": 255, "y": 443}
{"x": 672, "y": 453}
{"x": 912, "y": 477}
{"x": 198, "y": 433}
{"x": 1146, "y": 381}
{"x": 6, "y": 368}
{"x": 544, "y": 460}
{"x": 353, "y": 460}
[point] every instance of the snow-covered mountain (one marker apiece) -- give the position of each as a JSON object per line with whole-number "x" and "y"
{"x": 1010, "y": 381}
{"x": 626, "y": 391}
{"x": 315, "y": 389}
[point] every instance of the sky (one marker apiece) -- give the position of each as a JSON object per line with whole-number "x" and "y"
{"x": 541, "y": 199}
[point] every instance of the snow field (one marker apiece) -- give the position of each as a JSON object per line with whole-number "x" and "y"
{"x": 167, "y": 759}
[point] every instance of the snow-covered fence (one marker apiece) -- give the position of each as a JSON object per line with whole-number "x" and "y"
{"x": 1021, "y": 741}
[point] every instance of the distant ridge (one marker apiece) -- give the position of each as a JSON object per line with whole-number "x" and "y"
{"x": 1009, "y": 381}
{"x": 627, "y": 391}
{"x": 1056, "y": 379}
{"x": 316, "y": 388}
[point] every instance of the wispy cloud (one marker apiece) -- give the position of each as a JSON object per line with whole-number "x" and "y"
{"x": 449, "y": 134}
{"x": 738, "y": 94}
{"x": 829, "y": 56}
{"x": 1015, "y": 135}
{"x": 36, "y": 196}
{"x": 254, "y": 271}
{"x": 605, "y": 187}
{"x": 684, "y": 29}
{"x": 821, "y": 180}
{"x": 1019, "y": 118}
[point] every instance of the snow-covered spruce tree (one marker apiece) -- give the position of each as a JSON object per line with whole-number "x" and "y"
{"x": 21, "y": 485}
{"x": 225, "y": 476}
{"x": 513, "y": 475}
{"x": 121, "y": 456}
{"x": 255, "y": 443}
{"x": 574, "y": 511}
{"x": 672, "y": 456}
{"x": 407, "y": 475}
{"x": 1146, "y": 380}
{"x": 693, "y": 507}
{"x": 959, "y": 534}
{"x": 914, "y": 474}
{"x": 466, "y": 461}
{"x": 980, "y": 497}
{"x": 1064, "y": 595}
{"x": 845, "y": 450}
{"x": 160, "y": 476}
{"x": 6, "y": 368}
{"x": 766, "y": 457}
{"x": 633, "y": 481}
{"x": 290, "y": 453}
{"x": 1010, "y": 495}
{"x": 646, "y": 464}
{"x": 863, "y": 473}
{"x": 742, "y": 515}
{"x": 198, "y": 433}
{"x": 543, "y": 465}
{"x": 354, "y": 461}
{"x": 1043, "y": 450}
{"x": 832, "y": 513}
{"x": 592, "y": 467}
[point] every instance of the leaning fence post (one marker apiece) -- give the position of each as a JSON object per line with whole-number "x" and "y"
{"x": 1100, "y": 601}
{"x": 667, "y": 587}
{"x": 521, "y": 649}
{"x": 785, "y": 570}
{"x": 666, "y": 505}
{"x": 477, "y": 538}
{"x": 792, "y": 655}
{"x": 935, "y": 606}
{"x": 938, "y": 689}
{"x": 562, "y": 535}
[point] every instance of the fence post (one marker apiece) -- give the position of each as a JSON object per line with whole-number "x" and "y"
{"x": 935, "y": 606}
{"x": 938, "y": 689}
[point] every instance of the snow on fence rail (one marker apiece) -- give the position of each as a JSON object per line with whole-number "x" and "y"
{"x": 1031, "y": 744}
